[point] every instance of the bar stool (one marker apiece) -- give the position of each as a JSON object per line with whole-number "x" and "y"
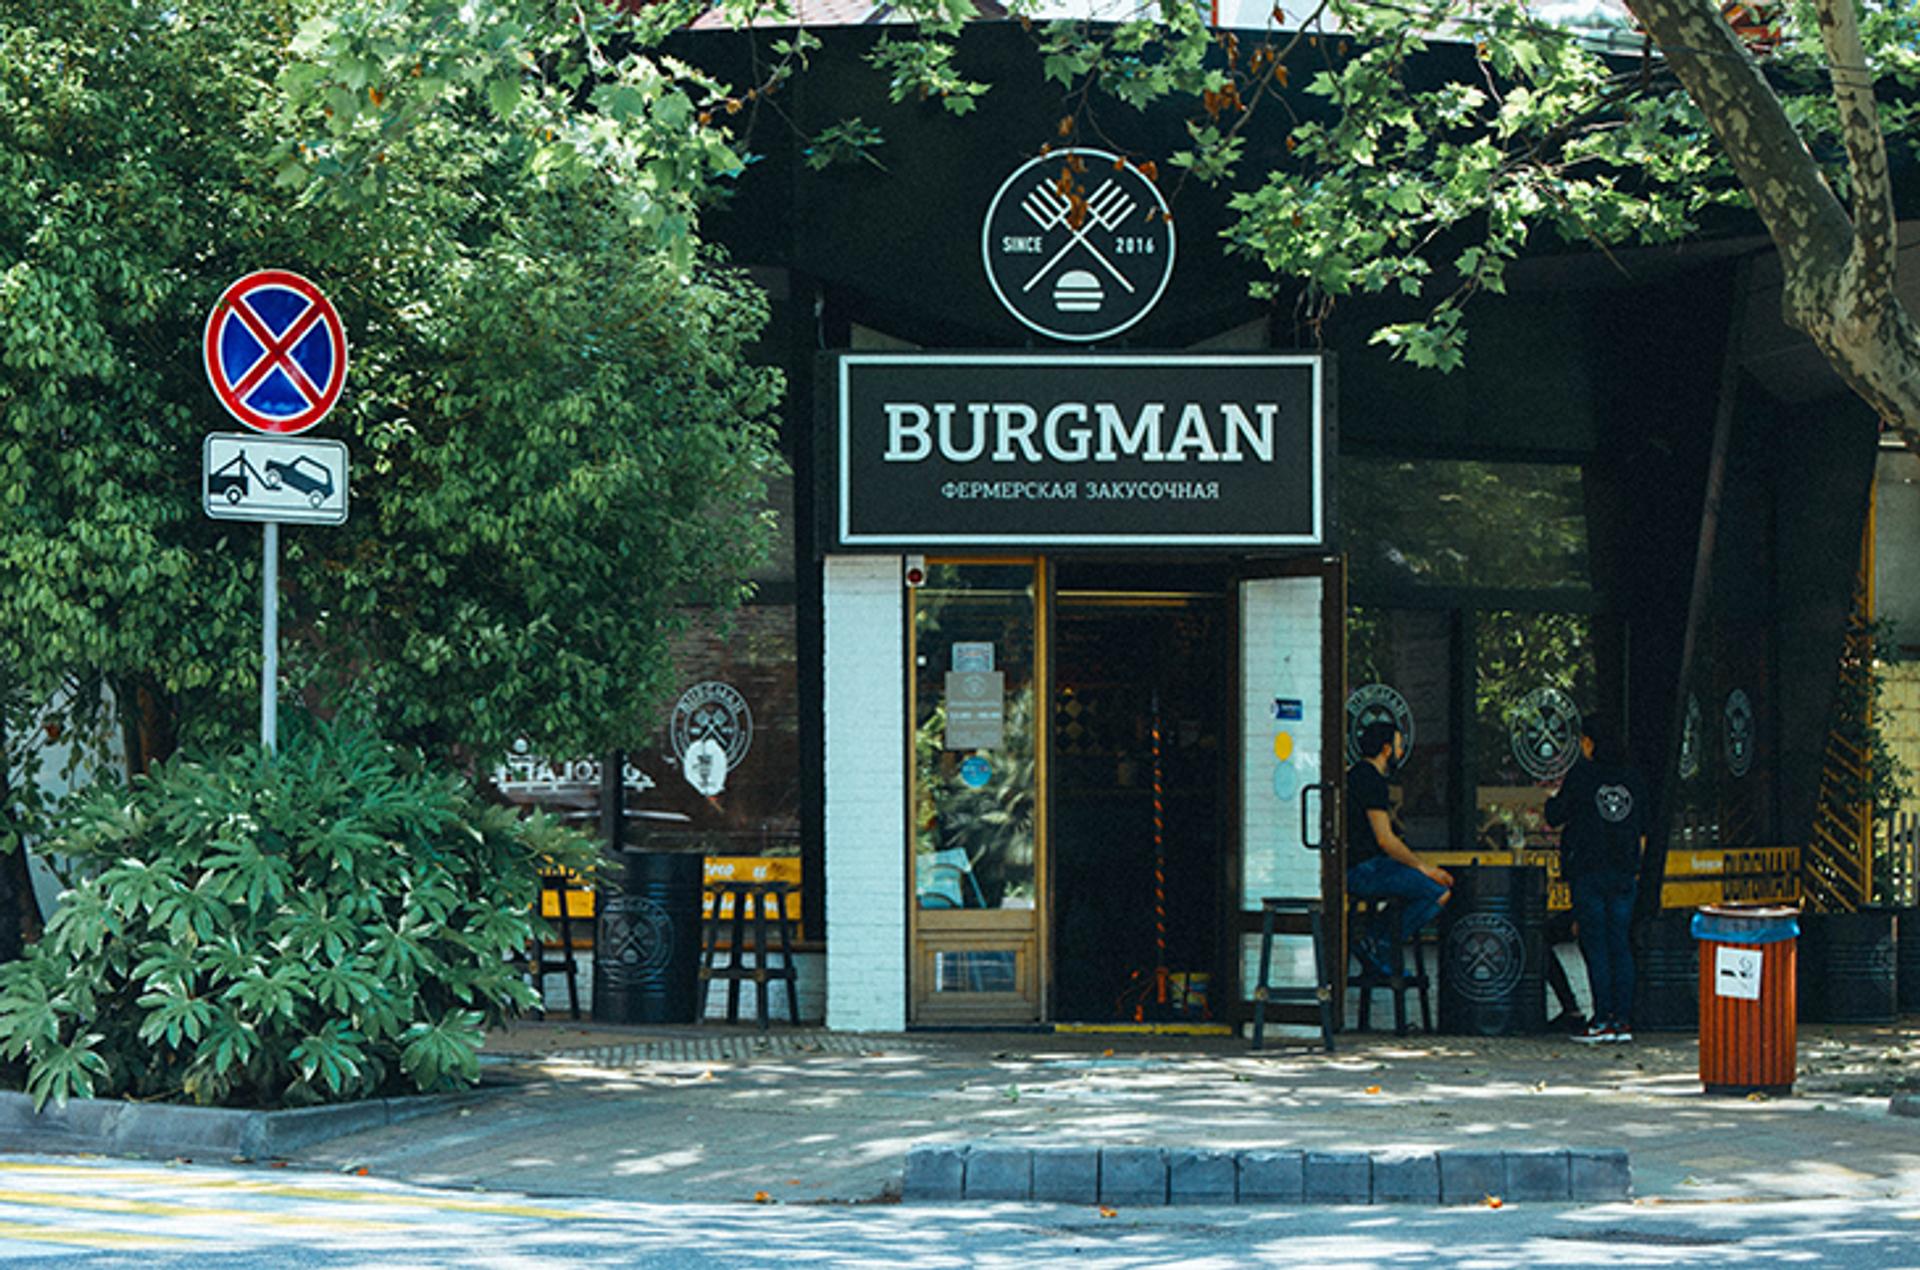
{"x": 757, "y": 898}
{"x": 1386, "y": 912}
{"x": 555, "y": 884}
{"x": 1321, "y": 994}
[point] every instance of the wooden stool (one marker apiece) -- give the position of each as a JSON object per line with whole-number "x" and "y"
{"x": 1386, "y": 912}
{"x": 753, "y": 898}
{"x": 1320, "y": 994}
{"x": 555, "y": 884}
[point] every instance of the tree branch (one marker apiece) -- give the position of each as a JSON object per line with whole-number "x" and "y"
{"x": 1874, "y": 227}
{"x": 1800, "y": 209}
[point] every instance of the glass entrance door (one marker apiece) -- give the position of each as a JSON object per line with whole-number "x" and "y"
{"x": 978, "y": 633}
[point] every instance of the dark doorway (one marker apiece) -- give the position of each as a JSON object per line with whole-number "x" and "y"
{"x": 1138, "y": 783}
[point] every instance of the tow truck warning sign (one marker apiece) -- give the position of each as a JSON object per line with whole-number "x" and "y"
{"x": 252, "y": 476}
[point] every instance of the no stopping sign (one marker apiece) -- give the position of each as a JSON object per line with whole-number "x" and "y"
{"x": 276, "y": 352}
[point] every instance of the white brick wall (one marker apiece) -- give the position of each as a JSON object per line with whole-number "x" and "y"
{"x": 1279, "y": 658}
{"x": 866, "y": 807}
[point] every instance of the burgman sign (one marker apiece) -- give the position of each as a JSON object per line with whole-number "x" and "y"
{"x": 1078, "y": 245}
{"x": 1083, "y": 449}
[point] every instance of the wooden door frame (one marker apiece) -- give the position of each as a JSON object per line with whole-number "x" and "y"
{"x": 980, "y": 928}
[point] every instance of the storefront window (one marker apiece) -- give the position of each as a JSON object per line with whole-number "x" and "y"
{"x": 974, "y": 752}
{"x": 1399, "y": 666}
{"x": 1726, "y": 789}
{"x": 1534, "y": 680}
{"x": 1429, "y": 522}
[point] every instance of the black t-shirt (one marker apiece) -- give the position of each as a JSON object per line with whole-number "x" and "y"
{"x": 1367, "y": 790}
{"x": 1604, "y": 808}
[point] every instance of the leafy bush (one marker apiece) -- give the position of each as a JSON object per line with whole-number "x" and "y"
{"x": 333, "y": 922}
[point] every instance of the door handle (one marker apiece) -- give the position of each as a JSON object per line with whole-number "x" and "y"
{"x": 1306, "y": 822}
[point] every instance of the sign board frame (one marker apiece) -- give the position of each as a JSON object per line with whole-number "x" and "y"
{"x": 278, "y": 484}
{"x": 1044, "y": 450}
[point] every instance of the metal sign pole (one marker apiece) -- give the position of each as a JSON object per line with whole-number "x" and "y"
{"x": 269, "y": 634}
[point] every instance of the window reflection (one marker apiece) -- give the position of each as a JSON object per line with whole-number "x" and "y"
{"x": 1399, "y": 665}
{"x": 1459, "y": 523}
{"x": 1534, "y": 676}
{"x": 974, "y": 757}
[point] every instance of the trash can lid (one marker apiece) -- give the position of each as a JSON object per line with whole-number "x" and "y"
{"x": 1727, "y": 924}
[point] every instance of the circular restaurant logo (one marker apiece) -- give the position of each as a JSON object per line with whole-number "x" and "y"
{"x": 1544, "y": 731}
{"x": 711, "y": 730}
{"x": 1485, "y": 956}
{"x": 1377, "y": 703}
{"x": 638, "y": 934}
{"x": 1078, "y": 244}
{"x": 1738, "y": 738}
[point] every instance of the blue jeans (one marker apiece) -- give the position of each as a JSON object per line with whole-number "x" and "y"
{"x": 1383, "y": 877}
{"x": 1603, "y": 905}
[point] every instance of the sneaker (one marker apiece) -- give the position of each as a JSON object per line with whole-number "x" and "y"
{"x": 1595, "y": 1033}
{"x": 1620, "y": 1033}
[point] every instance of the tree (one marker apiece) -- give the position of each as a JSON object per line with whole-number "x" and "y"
{"x": 557, "y": 440}
{"x": 1839, "y": 261}
{"x": 1401, "y": 179}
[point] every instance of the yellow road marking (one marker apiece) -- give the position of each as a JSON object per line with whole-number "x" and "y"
{"x": 88, "y": 1238}
{"x": 155, "y": 1208}
{"x": 415, "y": 1199}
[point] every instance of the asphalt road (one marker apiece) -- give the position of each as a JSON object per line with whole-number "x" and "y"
{"x": 75, "y": 1212}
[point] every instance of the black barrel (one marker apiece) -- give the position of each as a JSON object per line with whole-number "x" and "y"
{"x": 646, "y": 951}
{"x": 1666, "y": 973}
{"x": 1906, "y": 958}
{"x": 1847, "y": 967}
{"x": 1493, "y": 951}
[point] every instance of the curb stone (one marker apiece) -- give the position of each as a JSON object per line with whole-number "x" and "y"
{"x": 1064, "y": 1174}
{"x": 109, "y": 1127}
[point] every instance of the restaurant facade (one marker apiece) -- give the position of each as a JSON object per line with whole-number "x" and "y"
{"x": 1094, "y": 566}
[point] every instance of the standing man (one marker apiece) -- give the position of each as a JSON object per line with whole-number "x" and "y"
{"x": 1603, "y": 804}
{"x": 1379, "y": 864}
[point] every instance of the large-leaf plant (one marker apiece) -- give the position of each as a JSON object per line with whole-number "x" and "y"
{"x": 334, "y": 921}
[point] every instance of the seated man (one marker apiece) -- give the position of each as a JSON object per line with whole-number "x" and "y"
{"x": 1379, "y": 864}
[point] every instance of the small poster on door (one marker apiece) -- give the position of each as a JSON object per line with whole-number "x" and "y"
{"x": 1736, "y": 973}
{"x": 976, "y": 710}
{"x": 972, "y": 656}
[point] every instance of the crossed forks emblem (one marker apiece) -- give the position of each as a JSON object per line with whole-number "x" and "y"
{"x": 1108, "y": 208}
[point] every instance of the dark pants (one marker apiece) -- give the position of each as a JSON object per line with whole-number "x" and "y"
{"x": 1386, "y": 878}
{"x": 1603, "y": 905}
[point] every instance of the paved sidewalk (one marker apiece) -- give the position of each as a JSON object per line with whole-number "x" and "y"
{"x": 729, "y": 1114}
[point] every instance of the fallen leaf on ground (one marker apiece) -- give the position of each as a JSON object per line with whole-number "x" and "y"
{"x": 1494, "y": 1201}
{"x": 761, "y": 1197}
{"x": 1756, "y": 1096}
{"x": 361, "y": 1171}
{"x": 1373, "y": 1089}
{"x": 1109, "y": 1212}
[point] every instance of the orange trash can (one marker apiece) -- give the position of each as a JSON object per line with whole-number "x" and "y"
{"x": 1749, "y": 1031}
